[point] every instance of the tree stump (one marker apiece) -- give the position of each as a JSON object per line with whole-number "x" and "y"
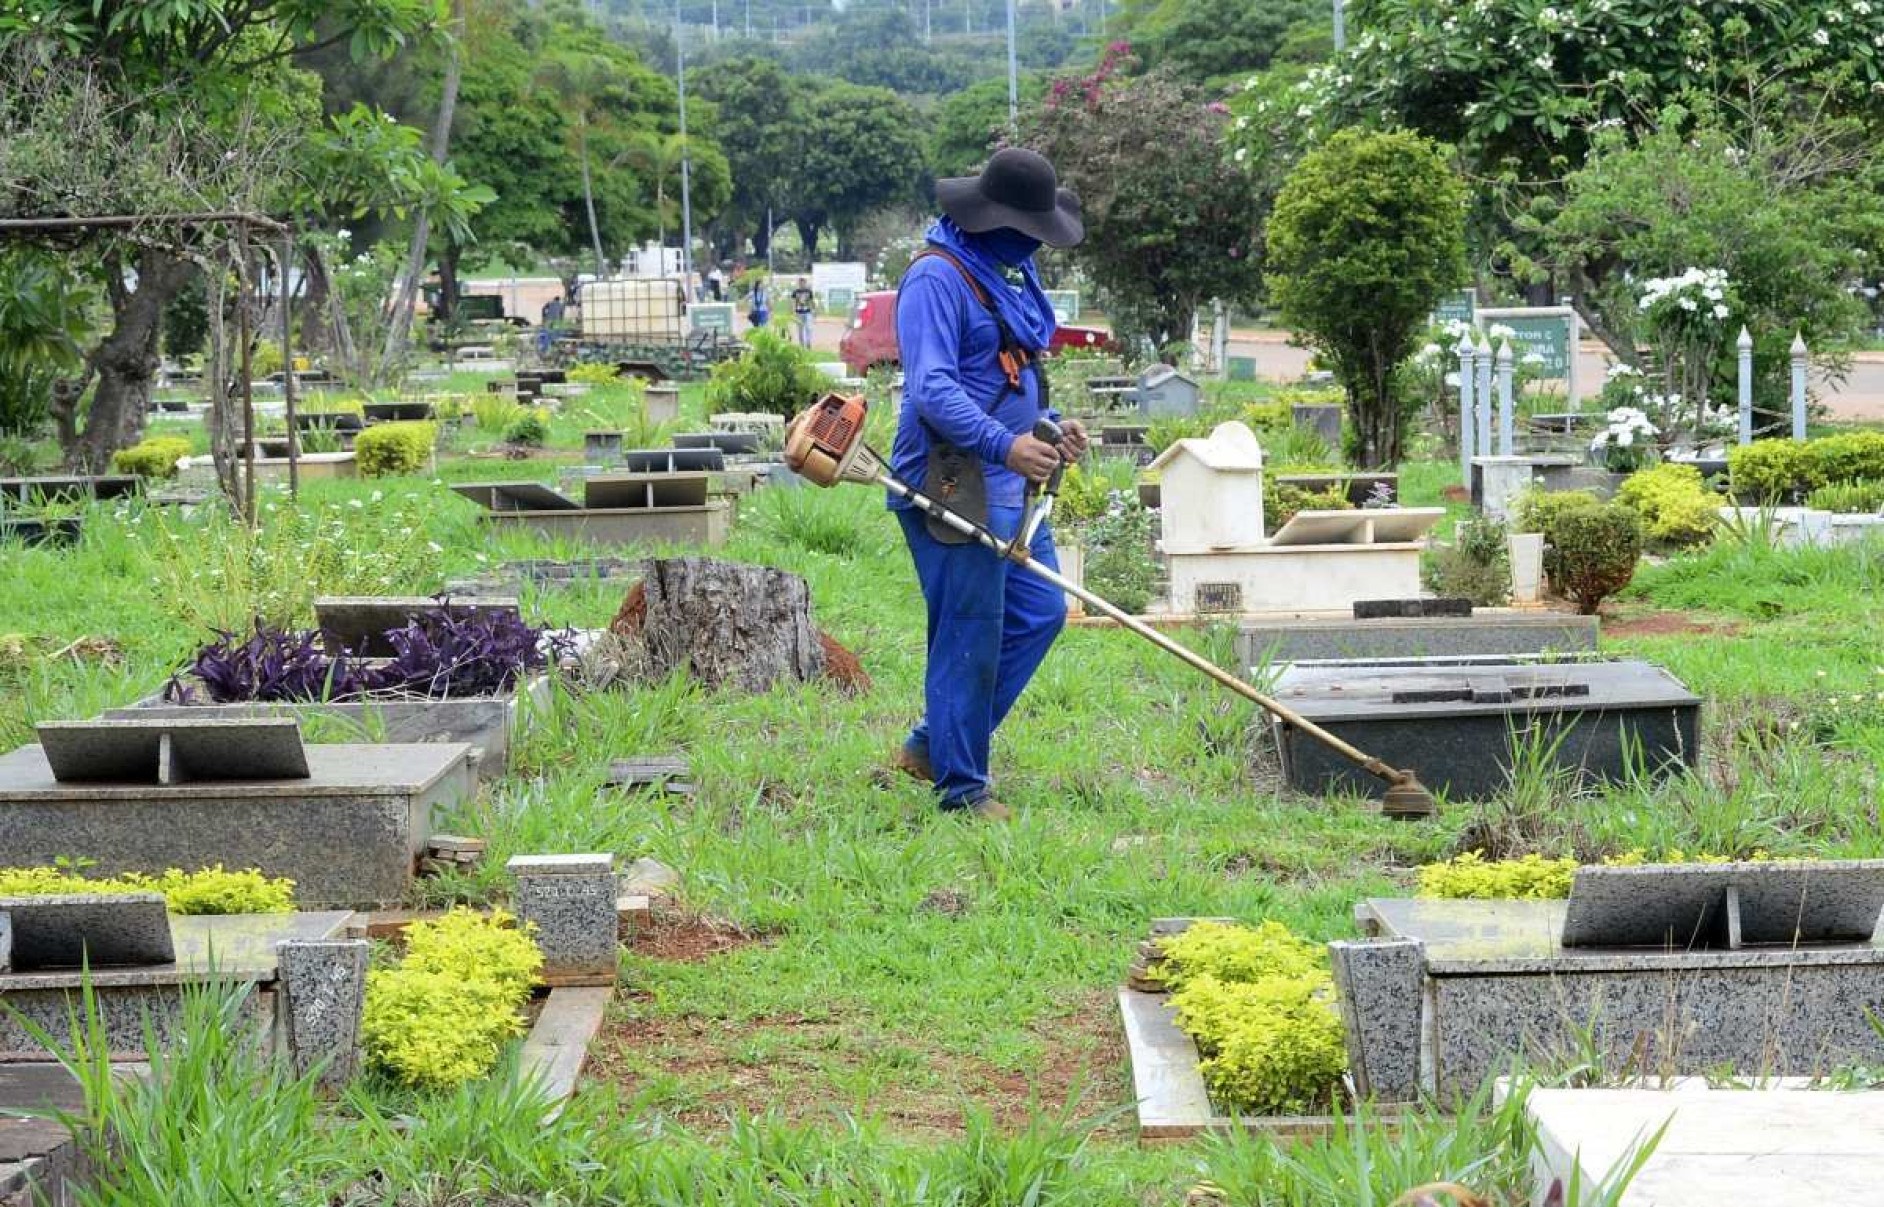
{"x": 725, "y": 623}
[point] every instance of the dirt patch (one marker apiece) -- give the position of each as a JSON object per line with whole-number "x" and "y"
{"x": 1667, "y": 624}
{"x": 805, "y": 1068}
{"x": 685, "y": 938}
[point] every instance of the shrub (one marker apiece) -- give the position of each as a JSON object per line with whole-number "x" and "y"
{"x": 442, "y": 1016}
{"x": 594, "y": 374}
{"x": 1766, "y": 471}
{"x": 1777, "y": 471}
{"x": 210, "y": 891}
{"x": 1674, "y": 505}
{"x": 1476, "y": 566}
{"x": 1119, "y": 567}
{"x": 1542, "y": 511}
{"x": 1083, "y": 496}
{"x": 529, "y": 430}
{"x": 1473, "y": 877}
{"x": 1298, "y": 448}
{"x": 774, "y": 375}
{"x": 1596, "y": 551}
{"x": 1273, "y": 1046}
{"x": 1866, "y": 497}
{"x": 1259, "y": 1003}
{"x": 466, "y": 944}
{"x": 322, "y": 404}
{"x": 1236, "y": 953}
{"x": 389, "y": 449}
{"x": 494, "y": 413}
{"x": 156, "y": 457}
{"x": 1366, "y": 235}
{"x": 1282, "y": 500}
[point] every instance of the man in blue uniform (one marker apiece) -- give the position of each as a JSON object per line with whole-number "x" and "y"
{"x": 972, "y": 323}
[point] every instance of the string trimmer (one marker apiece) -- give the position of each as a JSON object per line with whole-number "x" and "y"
{"x": 825, "y": 445}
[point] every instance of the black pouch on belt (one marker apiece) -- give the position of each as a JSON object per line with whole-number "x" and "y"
{"x": 954, "y": 479}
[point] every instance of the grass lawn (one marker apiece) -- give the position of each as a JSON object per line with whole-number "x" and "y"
{"x": 848, "y": 954}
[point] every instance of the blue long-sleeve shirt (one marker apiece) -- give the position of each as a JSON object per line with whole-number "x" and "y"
{"x": 949, "y": 345}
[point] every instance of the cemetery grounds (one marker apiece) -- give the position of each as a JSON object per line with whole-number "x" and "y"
{"x": 853, "y": 999}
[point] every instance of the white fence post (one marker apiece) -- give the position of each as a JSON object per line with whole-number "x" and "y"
{"x": 1798, "y": 386}
{"x": 1467, "y": 416}
{"x": 1507, "y": 413}
{"x": 1745, "y": 344}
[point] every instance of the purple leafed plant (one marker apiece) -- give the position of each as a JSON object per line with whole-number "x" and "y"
{"x": 441, "y": 652}
{"x": 268, "y": 664}
{"x": 437, "y": 653}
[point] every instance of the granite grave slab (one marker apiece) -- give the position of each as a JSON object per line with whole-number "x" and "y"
{"x": 570, "y": 901}
{"x": 1493, "y": 632}
{"x": 358, "y": 623}
{"x": 347, "y": 833}
{"x": 97, "y": 929}
{"x": 1459, "y": 722}
{"x": 1733, "y": 905}
{"x": 169, "y": 750}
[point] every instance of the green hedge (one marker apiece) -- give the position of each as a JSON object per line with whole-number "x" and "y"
{"x": 156, "y": 457}
{"x": 1673, "y": 503}
{"x": 395, "y": 448}
{"x": 1778, "y": 471}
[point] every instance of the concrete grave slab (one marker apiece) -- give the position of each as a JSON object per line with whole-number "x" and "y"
{"x": 323, "y": 987}
{"x": 1777, "y": 1147}
{"x": 174, "y": 751}
{"x": 514, "y": 496}
{"x": 359, "y": 622}
{"x": 673, "y": 460}
{"x": 96, "y": 929}
{"x": 1385, "y": 526}
{"x": 646, "y": 490}
{"x": 1680, "y": 906}
{"x": 730, "y": 443}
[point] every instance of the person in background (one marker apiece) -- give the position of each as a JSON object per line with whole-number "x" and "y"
{"x": 973, "y": 322}
{"x": 761, "y": 312}
{"x": 716, "y": 284}
{"x": 804, "y": 308}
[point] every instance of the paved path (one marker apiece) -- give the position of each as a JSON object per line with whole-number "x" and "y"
{"x": 1860, "y": 396}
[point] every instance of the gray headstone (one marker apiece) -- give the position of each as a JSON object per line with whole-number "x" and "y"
{"x": 1684, "y": 905}
{"x": 359, "y": 622}
{"x": 514, "y": 496}
{"x": 166, "y": 751}
{"x": 323, "y": 986}
{"x": 96, "y": 929}
{"x": 672, "y": 460}
{"x": 570, "y": 900}
{"x": 646, "y": 490}
{"x": 1323, "y": 419}
{"x": 1381, "y": 986}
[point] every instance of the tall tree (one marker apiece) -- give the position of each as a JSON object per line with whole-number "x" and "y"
{"x": 187, "y": 77}
{"x": 756, "y": 121}
{"x": 1172, "y": 221}
{"x": 861, "y": 151}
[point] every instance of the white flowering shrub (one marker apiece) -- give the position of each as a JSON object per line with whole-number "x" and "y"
{"x": 1627, "y": 443}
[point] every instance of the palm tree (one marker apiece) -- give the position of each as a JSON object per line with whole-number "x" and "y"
{"x": 579, "y": 79}
{"x": 656, "y": 156}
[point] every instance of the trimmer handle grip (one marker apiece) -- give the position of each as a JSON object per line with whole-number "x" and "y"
{"x": 1049, "y": 432}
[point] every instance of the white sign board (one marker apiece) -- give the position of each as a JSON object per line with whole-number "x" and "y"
{"x": 850, "y": 275}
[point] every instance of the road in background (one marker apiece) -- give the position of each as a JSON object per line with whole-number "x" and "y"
{"x": 1859, "y": 397}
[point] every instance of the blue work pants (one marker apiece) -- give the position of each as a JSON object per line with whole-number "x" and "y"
{"x": 990, "y": 626}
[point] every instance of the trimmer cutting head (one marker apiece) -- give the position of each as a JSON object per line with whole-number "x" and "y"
{"x": 825, "y": 444}
{"x": 1407, "y": 798}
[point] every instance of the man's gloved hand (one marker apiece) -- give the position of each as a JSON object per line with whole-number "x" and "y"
{"x": 1073, "y": 439}
{"x": 1034, "y": 460}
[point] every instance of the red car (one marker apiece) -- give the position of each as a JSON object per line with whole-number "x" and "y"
{"x": 871, "y": 337}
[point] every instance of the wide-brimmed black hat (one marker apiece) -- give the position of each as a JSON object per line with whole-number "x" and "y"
{"x": 1017, "y": 189}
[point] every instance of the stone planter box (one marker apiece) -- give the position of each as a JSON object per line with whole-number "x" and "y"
{"x": 1800, "y": 526}
{"x": 1172, "y": 1101}
{"x": 486, "y": 723}
{"x": 699, "y": 527}
{"x": 57, "y": 533}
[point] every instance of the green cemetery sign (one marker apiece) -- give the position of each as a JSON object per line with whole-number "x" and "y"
{"x": 711, "y": 316}
{"x": 1455, "y": 308}
{"x": 1545, "y": 336}
{"x": 1065, "y": 304}
{"x": 840, "y": 298}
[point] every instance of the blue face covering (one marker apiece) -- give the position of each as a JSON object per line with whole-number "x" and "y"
{"x": 1025, "y": 309}
{"x": 1010, "y": 247}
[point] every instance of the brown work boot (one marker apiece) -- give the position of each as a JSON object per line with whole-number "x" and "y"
{"x": 913, "y": 765}
{"x": 990, "y": 809}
